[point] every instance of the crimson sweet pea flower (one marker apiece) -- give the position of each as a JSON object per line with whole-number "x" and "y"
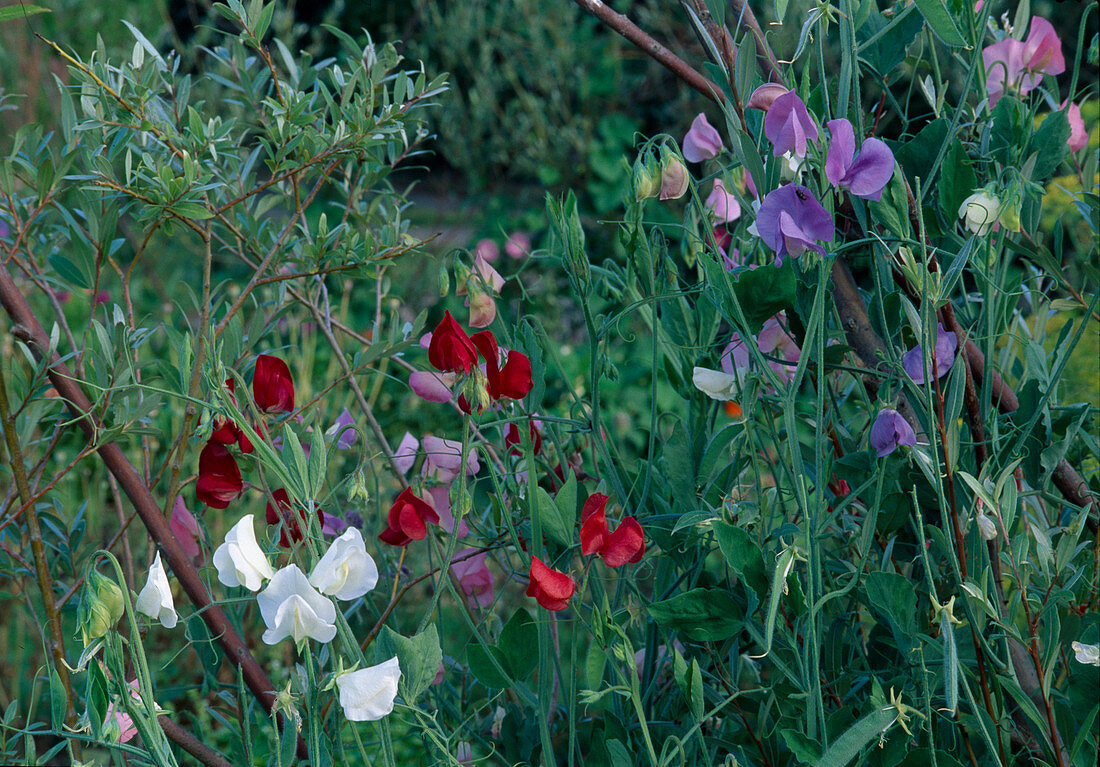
{"x": 513, "y": 380}
{"x": 514, "y": 444}
{"x": 450, "y": 350}
{"x": 407, "y": 520}
{"x": 272, "y": 386}
{"x": 626, "y": 544}
{"x": 291, "y": 529}
{"x": 550, "y": 588}
{"x": 219, "y": 477}
{"x": 228, "y": 432}
{"x": 788, "y": 125}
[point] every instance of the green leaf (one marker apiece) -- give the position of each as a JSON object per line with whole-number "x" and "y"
{"x": 59, "y": 701}
{"x": 679, "y": 467}
{"x": 882, "y": 44}
{"x": 893, "y": 596}
{"x": 805, "y": 749}
{"x": 941, "y": 22}
{"x": 69, "y": 271}
{"x": 853, "y": 740}
{"x": 742, "y": 555}
{"x": 893, "y": 208}
{"x": 1049, "y": 143}
{"x": 704, "y": 615}
{"x": 957, "y": 180}
{"x": 566, "y": 499}
{"x": 916, "y": 155}
{"x": 480, "y": 659}
{"x": 419, "y": 656}
{"x": 193, "y": 210}
{"x": 519, "y": 644}
{"x": 18, "y": 11}
{"x": 1009, "y": 130}
{"x": 554, "y": 521}
{"x": 765, "y": 291}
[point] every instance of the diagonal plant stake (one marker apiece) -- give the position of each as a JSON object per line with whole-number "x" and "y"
{"x": 30, "y": 330}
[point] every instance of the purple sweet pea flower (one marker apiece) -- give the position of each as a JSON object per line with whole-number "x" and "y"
{"x": 343, "y": 429}
{"x": 865, "y": 176}
{"x": 788, "y": 125}
{"x": 791, "y": 221}
{"x": 702, "y": 141}
{"x": 913, "y": 360}
{"x": 889, "y": 431}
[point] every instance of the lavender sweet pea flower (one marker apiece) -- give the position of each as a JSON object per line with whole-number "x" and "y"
{"x": 702, "y": 141}
{"x": 913, "y": 360}
{"x": 864, "y": 176}
{"x": 789, "y": 126}
{"x": 343, "y": 429}
{"x": 431, "y": 386}
{"x": 791, "y": 221}
{"x": 889, "y": 431}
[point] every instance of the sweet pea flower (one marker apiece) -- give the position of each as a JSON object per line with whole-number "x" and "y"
{"x": 343, "y": 429}
{"x": 1078, "y": 135}
{"x": 219, "y": 480}
{"x": 702, "y": 141}
{"x": 980, "y": 211}
{"x": 716, "y": 384}
{"x": 487, "y": 249}
{"x": 763, "y": 97}
{"x": 773, "y": 341}
{"x": 518, "y": 245}
{"x": 118, "y": 718}
{"x": 788, "y": 125}
{"x": 914, "y": 363}
{"x": 511, "y": 380}
{"x": 432, "y": 386}
{"x": 513, "y": 442}
{"x": 291, "y": 607}
{"x": 674, "y": 178}
{"x": 405, "y": 454}
{"x": 272, "y": 386}
{"x": 626, "y": 544}
{"x": 346, "y": 571}
{"x": 473, "y": 576}
{"x": 1089, "y": 654}
{"x": 723, "y": 204}
{"x": 186, "y": 528}
{"x": 550, "y": 588}
{"x": 280, "y": 513}
{"x": 890, "y": 431}
{"x": 440, "y": 499}
{"x": 464, "y": 754}
{"x": 483, "y": 308}
{"x": 226, "y": 432}
{"x": 791, "y": 221}
{"x": 155, "y": 599}
{"x": 240, "y": 561}
{"x": 451, "y": 350}
{"x": 1020, "y": 64}
{"x": 443, "y": 459}
{"x": 865, "y": 176}
{"x": 368, "y": 694}
{"x": 408, "y": 519}
{"x": 987, "y": 528}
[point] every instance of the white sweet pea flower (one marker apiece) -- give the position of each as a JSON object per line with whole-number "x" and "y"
{"x": 155, "y": 600}
{"x": 346, "y": 571}
{"x": 367, "y": 695}
{"x": 716, "y": 384}
{"x": 1088, "y": 654}
{"x": 240, "y": 560}
{"x": 979, "y": 211}
{"x": 292, "y": 608}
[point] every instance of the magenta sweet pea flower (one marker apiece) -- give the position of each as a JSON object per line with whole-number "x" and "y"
{"x": 791, "y": 221}
{"x": 343, "y": 429}
{"x": 405, "y": 454}
{"x": 432, "y": 386}
{"x": 702, "y": 141}
{"x": 946, "y": 345}
{"x": 788, "y": 125}
{"x": 1021, "y": 64}
{"x": 889, "y": 431}
{"x": 864, "y": 176}
{"x": 722, "y": 203}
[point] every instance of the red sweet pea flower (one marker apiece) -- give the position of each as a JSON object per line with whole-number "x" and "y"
{"x": 451, "y": 350}
{"x": 626, "y": 544}
{"x": 272, "y": 387}
{"x": 291, "y": 529}
{"x": 229, "y": 432}
{"x": 550, "y": 588}
{"x": 407, "y": 520}
{"x": 513, "y": 442}
{"x": 219, "y": 477}
{"x": 514, "y": 379}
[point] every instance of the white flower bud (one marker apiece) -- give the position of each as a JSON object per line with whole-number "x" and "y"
{"x": 155, "y": 600}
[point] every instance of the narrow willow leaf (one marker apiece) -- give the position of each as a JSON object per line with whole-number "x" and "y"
{"x": 857, "y": 737}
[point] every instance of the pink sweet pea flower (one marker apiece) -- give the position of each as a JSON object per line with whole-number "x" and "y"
{"x": 125, "y": 723}
{"x": 788, "y": 125}
{"x": 518, "y": 245}
{"x": 723, "y": 204}
{"x": 702, "y": 141}
{"x": 1020, "y": 64}
{"x": 432, "y": 386}
{"x": 443, "y": 459}
{"x": 487, "y": 249}
{"x": 1078, "y": 135}
{"x": 483, "y": 308}
{"x": 763, "y": 97}
{"x": 440, "y": 499}
{"x": 186, "y": 528}
{"x": 474, "y": 577}
{"x": 405, "y": 454}
{"x": 864, "y": 176}
{"x": 774, "y": 342}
